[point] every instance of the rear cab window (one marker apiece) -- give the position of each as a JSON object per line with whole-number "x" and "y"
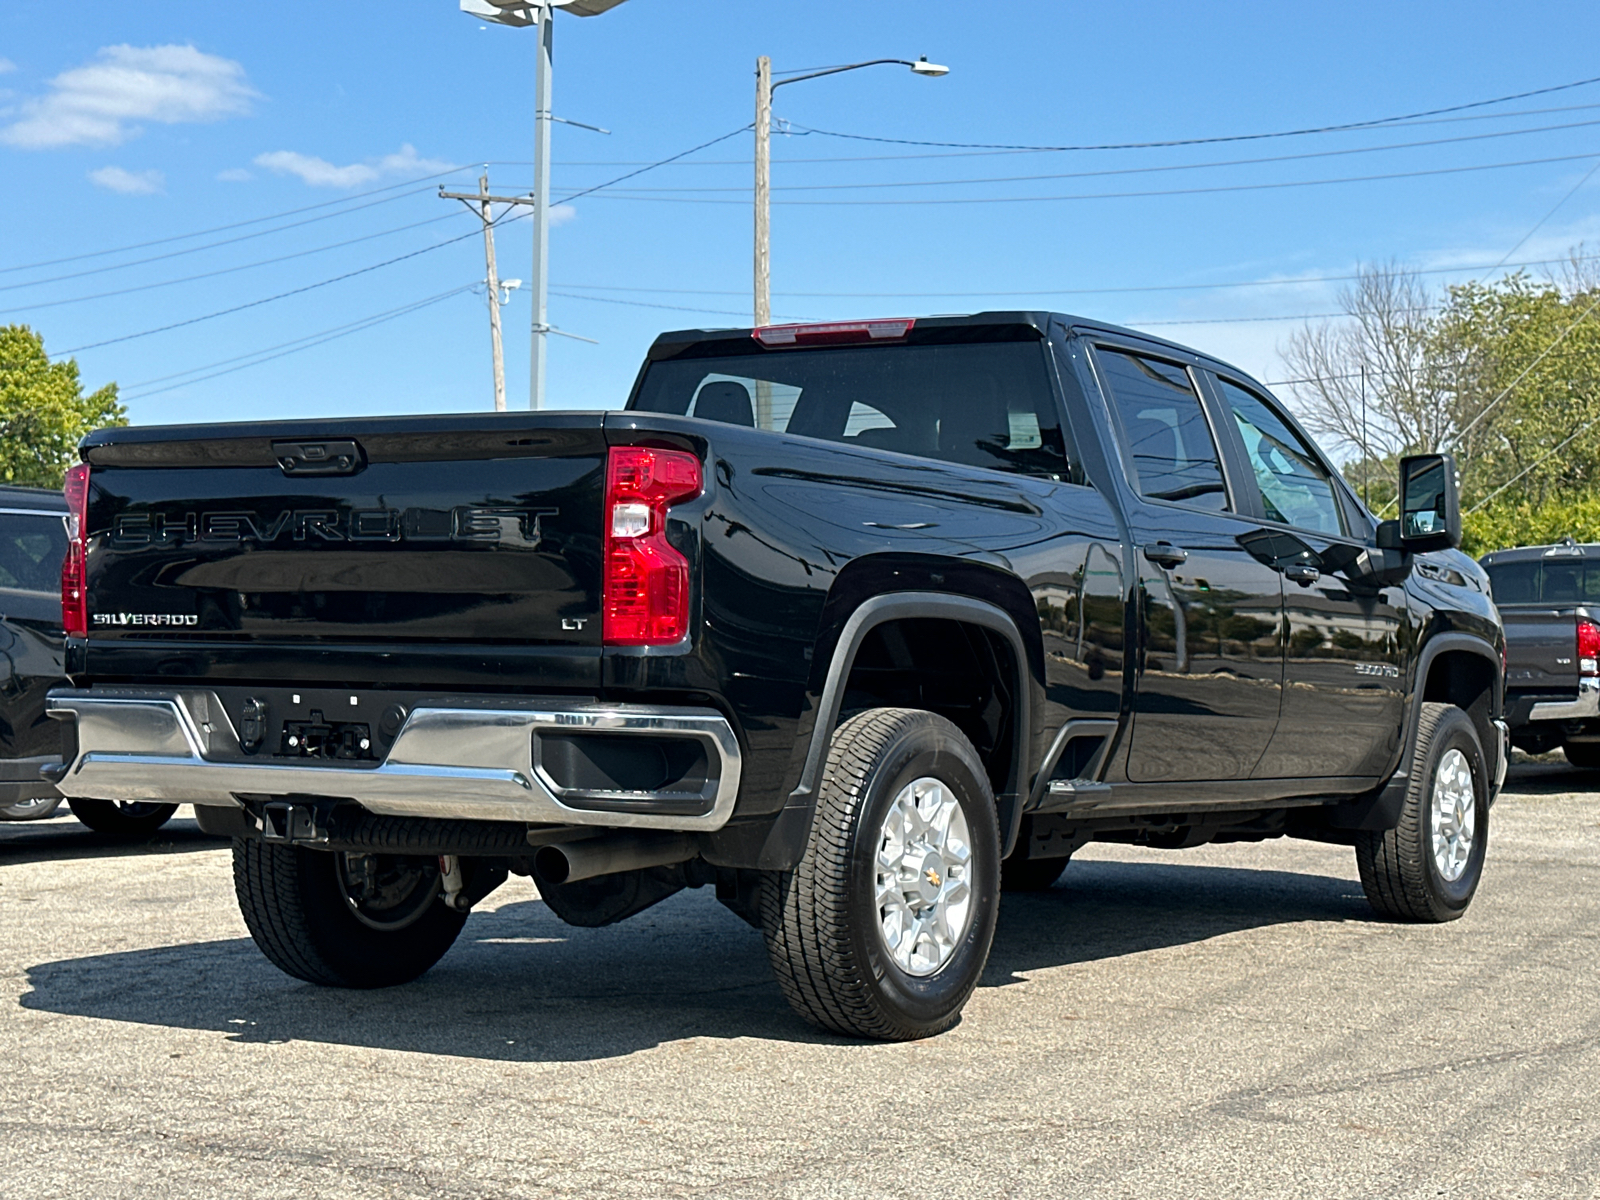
{"x": 984, "y": 404}
{"x": 1567, "y": 579}
{"x": 1171, "y": 452}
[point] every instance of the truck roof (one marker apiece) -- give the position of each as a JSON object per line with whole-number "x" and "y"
{"x": 675, "y": 342}
{"x": 1568, "y": 549}
{"x": 46, "y": 499}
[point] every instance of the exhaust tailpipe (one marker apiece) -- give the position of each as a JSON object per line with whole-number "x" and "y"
{"x": 573, "y": 861}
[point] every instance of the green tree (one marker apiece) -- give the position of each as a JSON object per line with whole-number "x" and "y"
{"x": 1524, "y": 356}
{"x": 1505, "y": 374}
{"x": 43, "y": 411}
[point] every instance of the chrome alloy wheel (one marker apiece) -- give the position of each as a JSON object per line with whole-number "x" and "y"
{"x": 924, "y": 877}
{"x": 1454, "y": 815}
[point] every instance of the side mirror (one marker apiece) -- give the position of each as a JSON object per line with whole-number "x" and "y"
{"x": 1430, "y": 503}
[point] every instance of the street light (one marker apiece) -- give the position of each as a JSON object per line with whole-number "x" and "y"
{"x": 519, "y": 14}
{"x": 764, "y": 89}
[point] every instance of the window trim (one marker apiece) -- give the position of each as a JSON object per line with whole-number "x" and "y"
{"x": 1130, "y": 473}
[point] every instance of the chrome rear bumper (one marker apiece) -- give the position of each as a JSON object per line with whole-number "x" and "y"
{"x": 1586, "y": 705}
{"x": 477, "y": 761}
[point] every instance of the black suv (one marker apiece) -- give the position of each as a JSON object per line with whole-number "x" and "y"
{"x": 33, "y": 541}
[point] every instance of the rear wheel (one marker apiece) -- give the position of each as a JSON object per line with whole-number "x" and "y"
{"x": 883, "y": 928}
{"x": 1427, "y": 868}
{"x": 133, "y": 820}
{"x": 344, "y": 920}
{"x": 1583, "y": 754}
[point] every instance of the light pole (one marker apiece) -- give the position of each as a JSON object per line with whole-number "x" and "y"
{"x": 764, "y": 89}
{"x": 521, "y": 14}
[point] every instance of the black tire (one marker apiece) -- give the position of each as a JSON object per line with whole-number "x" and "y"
{"x": 1398, "y": 869}
{"x": 821, "y": 920}
{"x": 1585, "y": 755}
{"x": 131, "y": 820}
{"x": 1019, "y": 874}
{"x": 297, "y": 904}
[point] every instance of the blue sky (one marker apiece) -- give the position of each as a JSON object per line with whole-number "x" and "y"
{"x": 151, "y": 122}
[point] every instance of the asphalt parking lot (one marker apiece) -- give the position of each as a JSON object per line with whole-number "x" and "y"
{"x": 1228, "y": 1021}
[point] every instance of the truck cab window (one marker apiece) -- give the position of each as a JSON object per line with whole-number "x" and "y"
{"x": 1174, "y": 456}
{"x": 987, "y": 404}
{"x": 1295, "y": 488}
{"x": 31, "y": 550}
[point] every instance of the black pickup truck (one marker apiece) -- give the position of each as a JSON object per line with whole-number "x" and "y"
{"x": 858, "y": 623}
{"x": 1549, "y": 600}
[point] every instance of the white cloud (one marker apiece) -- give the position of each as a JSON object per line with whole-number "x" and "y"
{"x": 7, "y": 66}
{"x": 235, "y": 175}
{"x": 560, "y": 214}
{"x": 98, "y": 103}
{"x": 319, "y": 172}
{"x": 407, "y": 163}
{"x": 129, "y": 183}
{"x": 315, "y": 172}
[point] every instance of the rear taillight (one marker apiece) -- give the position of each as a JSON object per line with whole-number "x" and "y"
{"x": 1588, "y": 648}
{"x": 646, "y": 597}
{"x": 74, "y": 568}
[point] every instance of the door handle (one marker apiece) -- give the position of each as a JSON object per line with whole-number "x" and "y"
{"x": 1302, "y": 573}
{"x": 1165, "y": 554}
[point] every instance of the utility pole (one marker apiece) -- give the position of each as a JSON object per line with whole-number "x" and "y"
{"x": 1366, "y": 453}
{"x": 481, "y": 202}
{"x": 541, "y": 209}
{"x": 521, "y": 14}
{"x": 763, "y": 306}
{"x": 764, "y": 89}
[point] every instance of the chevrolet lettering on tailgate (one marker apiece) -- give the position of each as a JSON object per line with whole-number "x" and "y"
{"x": 508, "y": 526}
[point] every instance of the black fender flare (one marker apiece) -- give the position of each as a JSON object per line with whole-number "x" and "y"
{"x": 786, "y": 840}
{"x": 1380, "y": 809}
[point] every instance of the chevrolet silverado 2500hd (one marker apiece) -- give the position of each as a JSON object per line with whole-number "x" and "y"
{"x": 860, "y": 624}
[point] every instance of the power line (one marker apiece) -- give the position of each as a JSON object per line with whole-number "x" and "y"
{"x": 292, "y": 347}
{"x": 1537, "y": 224}
{"x": 652, "y": 166}
{"x": 1573, "y": 436}
{"x": 1206, "y": 141}
{"x": 1196, "y": 191}
{"x": 1523, "y": 374}
{"x": 180, "y": 237}
{"x": 1167, "y": 287}
{"x": 1231, "y": 162}
{"x": 264, "y": 262}
{"x": 860, "y": 158}
{"x": 716, "y": 312}
{"x": 139, "y": 262}
{"x": 128, "y": 337}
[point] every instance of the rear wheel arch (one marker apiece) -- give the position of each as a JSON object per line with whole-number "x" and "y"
{"x": 984, "y": 627}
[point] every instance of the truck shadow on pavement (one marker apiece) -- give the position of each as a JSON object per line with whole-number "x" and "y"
{"x": 62, "y": 838}
{"x": 1549, "y": 779}
{"x": 521, "y": 986}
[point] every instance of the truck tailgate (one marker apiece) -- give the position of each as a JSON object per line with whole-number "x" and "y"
{"x": 459, "y": 529}
{"x": 1541, "y": 650}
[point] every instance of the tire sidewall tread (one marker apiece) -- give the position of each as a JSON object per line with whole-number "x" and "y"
{"x": 290, "y": 900}
{"x": 1397, "y": 868}
{"x": 825, "y": 946}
